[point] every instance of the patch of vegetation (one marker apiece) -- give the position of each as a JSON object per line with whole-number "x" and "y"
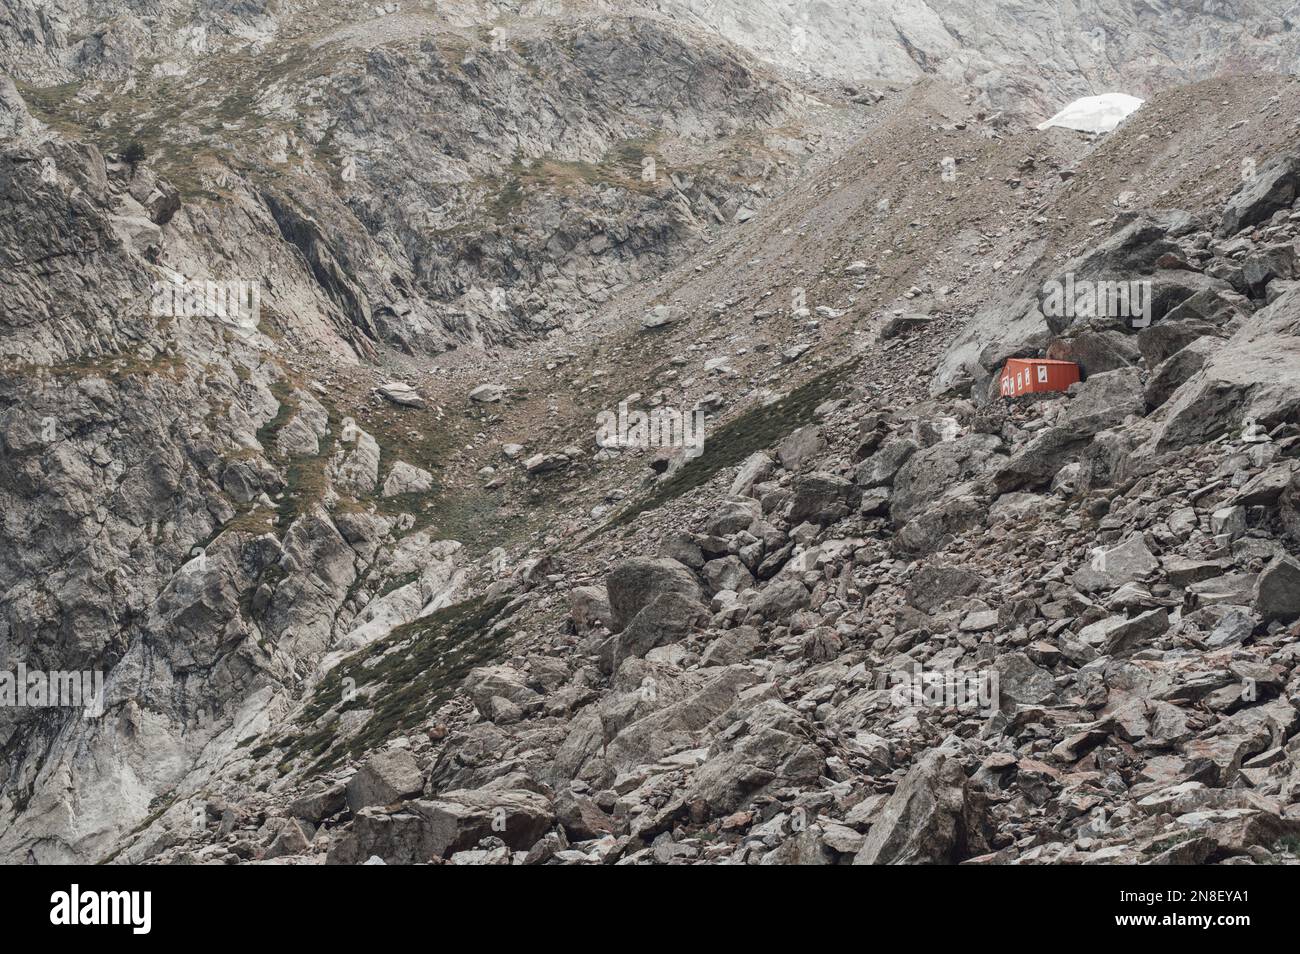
{"x": 758, "y": 428}
{"x": 283, "y": 391}
{"x": 620, "y": 166}
{"x": 410, "y": 673}
{"x": 134, "y": 153}
{"x": 468, "y": 514}
{"x": 48, "y": 100}
{"x": 1289, "y": 845}
{"x": 397, "y": 582}
{"x": 116, "y": 367}
{"x": 158, "y": 806}
{"x": 307, "y": 482}
{"x": 509, "y": 198}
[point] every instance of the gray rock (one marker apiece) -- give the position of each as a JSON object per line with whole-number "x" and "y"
{"x": 1235, "y": 626}
{"x": 944, "y": 465}
{"x": 932, "y": 586}
{"x": 1269, "y": 262}
{"x": 637, "y": 582}
{"x": 881, "y": 467}
{"x": 732, "y": 647}
{"x": 661, "y": 316}
{"x": 321, "y": 804}
{"x": 456, "y": 821}
{"x": 1129, "y": 562}
{"x": 1120, "y": 635}
{"x": 385, "y": 778}
{"x": 757, "y": 467}
{"x": 488, "y": 685}
{"x": 727, "y": 573}
{"x": 767, "y": 750}
{"x": 1273, "y": 186}
{"x": 668, "y": 618}
{"x": 290, "y": 840}
{"x": 904, "y": 324}
{"x": 1177, "y": 369}
{"x": 546, "y": 463}
{"x": 487, "y": 394}
{"x": 1161, "y": 341}
{"x": 925, "y": 819}
{"x": 589, "y": 606}
{"x": 800, "y": 447}
{"x": 407, "y": 479}
{"x": 401, "y": 394}
{"x": 732, "y": 515}
{"x": 821, "y": 498}
{"x": 778, "y": 600}
{"x": 1277, "y": 593}
{"x": 1022, "y": 682}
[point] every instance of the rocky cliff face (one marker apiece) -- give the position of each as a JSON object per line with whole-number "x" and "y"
{"x": 1024, "y": 58}
{"x": 308, "y": 316}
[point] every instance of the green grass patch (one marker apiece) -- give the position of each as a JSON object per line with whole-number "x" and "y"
{"x": 413, "y": 671}
{"x": 266, "y": 434}
{"x": 756, "y": 429}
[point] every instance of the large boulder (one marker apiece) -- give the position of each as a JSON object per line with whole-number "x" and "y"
{"x": 821, "y": 498}
{"x": 401, "y": 394}
{"x": 589, "y": 607}
{"x": 1022, "y": 682}
{"x": 407, "y": 479}
{"x": 1167, "y": 338}
{"x": 1103, "y": 401}
{"x": 385, "y": 778}
{"x": 769, "y": 749}
{"x": 928, "y": 819}
{"x": 1119, "y": 635}
{"x": 1267, "y": 263}
{"x": 635, "y": 583}
{"x": 356, "y": 468}
{"x": 424, "y": 830}
{"x": 881, "y": 467}
{"x": 933, "y": 586}
{"x": 779, "y": 600}
{"x": 1273, "y": 187}
{"x": 1095, "y": 351}
{"x": 668, "y": 618}
{"x": 1254, "y": 376}
{"x": 487, "y": 685}
{"x": 1178, "y": 368}
{"x": 733, "y": 514}
{"x": 1277, "y": 592}
{"x": 727, "y": 573}
{"x": 756, "y": 468}
{"x": 800, "y": 446}
{"x": 1111, "y": 567}
{"x": 1127, "y": 255}
{"x": 930, "y": 471}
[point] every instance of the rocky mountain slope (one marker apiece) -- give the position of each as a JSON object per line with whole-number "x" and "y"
{"x": 365, "y": 585}
{"x": 1021, "y": 57}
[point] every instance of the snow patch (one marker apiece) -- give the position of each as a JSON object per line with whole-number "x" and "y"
{"x": 1095, "y": 114}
